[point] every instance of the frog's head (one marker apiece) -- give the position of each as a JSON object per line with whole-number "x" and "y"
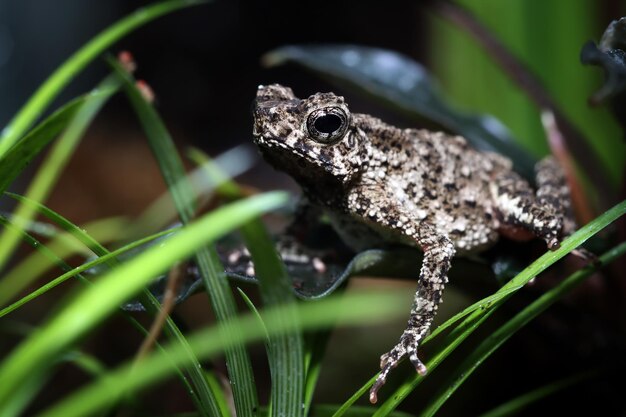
{"x": 311, "y": 139}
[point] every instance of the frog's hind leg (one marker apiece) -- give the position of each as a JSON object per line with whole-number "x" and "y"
{"x": 438, "y": 252}
{"x": 553, "y": 191}
{"x": 546, "y": 213}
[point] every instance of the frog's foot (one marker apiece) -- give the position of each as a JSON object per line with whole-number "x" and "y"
{"x": 388, "y": 361}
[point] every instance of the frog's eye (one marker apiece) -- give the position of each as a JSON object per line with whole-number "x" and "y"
{"x": 327, "y": 125}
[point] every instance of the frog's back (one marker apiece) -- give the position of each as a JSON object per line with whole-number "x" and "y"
{"x": 437, "y": 178}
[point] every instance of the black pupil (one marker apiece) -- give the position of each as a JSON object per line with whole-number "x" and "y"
{"x": 328, "y": 123}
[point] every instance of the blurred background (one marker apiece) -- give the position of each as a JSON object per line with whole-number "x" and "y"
{"x": 203, "y": 65}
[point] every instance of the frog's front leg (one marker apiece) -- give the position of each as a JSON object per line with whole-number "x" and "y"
{"x": 438, "y": 252}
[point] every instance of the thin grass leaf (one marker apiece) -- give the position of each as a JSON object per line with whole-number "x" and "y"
{"x": 254, "y": 311}
{"x": 103, "y": 297}
{"x": 285, "y": 352}
{"x": 207, "y": 260}
{"x": 315, "y": 344}
{"x": 63, "y": 246}
{"x": 217, "y": 389}
{"x": 476, "y": 318}
{"x": 76, "y": 271}
{"x": 201, "y": 392}
{"x": 517, "y": 404}
{"x": 36, "y": 244}
{"x": 481, "y": 304}
{"x": 13, "y": 161}
{"x": 350, "y": 309}
{"x": 345, "y": 408}
{"x": 66, "y": 225}
{"x": 85, "y": 362}
{"x": 53, "y": 165}
{"x": 25, "y": 118}
{"x": 502, "y": 334}
{"x": 162, "y": 212}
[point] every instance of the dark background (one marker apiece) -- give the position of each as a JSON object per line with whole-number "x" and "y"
{"x": 204, "y": 65}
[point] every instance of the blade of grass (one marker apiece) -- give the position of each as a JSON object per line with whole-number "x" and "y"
{"x": 66, "y": 225}
{"x": 161, "y": 212}
{"x": 207, "y": 260}
{"x": 24, "y": 119}
{"x": 201, "y": 393}
{"x": 348, "y": 310}
{"x": 502, "y": 334}
{"x": 478, "y": 316}
{"x": 285, "y": 352}
{"x": 13, "y": 162}
{"x": 480, "y": 304}
{"x": 100, "y": 299}
{"x": 315, "y": 344}
{"x": 30, "y": 240}
{"x": 52, "y": 166}
{"x": 254, "y": 311}
{"x": 63, "y": 245}
{"x": 29, "y": 388}
{"x": 75, "y": 271}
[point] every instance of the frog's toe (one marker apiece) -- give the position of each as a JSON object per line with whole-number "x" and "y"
{"x": 417, "y": 363}
{"x": 388, "y": 361}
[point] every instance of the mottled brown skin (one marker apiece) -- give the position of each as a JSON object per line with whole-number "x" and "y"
{"x": 381, "y": 184}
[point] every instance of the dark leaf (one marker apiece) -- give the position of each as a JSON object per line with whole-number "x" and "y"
{"x": 403, "y": 83}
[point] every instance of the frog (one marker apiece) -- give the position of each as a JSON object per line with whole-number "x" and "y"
{"x": 379, "y": 184}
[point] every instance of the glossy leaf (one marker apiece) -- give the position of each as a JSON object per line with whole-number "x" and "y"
{"x": 400, "y": 82}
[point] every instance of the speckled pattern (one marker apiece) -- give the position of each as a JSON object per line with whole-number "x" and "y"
{"x": 382, "y": 184}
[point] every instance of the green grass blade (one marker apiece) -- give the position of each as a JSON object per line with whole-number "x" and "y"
{"x": 102, "y": 298}
{"x": 220, "y": 398}
{"x": 254, "y": 311}
{"x": 30, "y": 240}
{"x": 211, "y": 271}
{"x": 201, "y": 393}
{"x": 13, "y": 161}
{"x": 24, "y": 119}
{"x": 162, "y": 145}
{"x": 66, "y": 225}
{"x": 75, "y": 271}
{"x": 315, "y": 348}
{"x": 51, "y": 168}
{"x": 519, "y": 403}
{"x": 63, "y": 245}
{"x": 345, "y": 407}
{"x": 502, "y": 334}
{"x": 349, "y": 310}
{"x": 480, "y": 304}
{"x": 286, "y": 351}
{"x": 476, "y": 318}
